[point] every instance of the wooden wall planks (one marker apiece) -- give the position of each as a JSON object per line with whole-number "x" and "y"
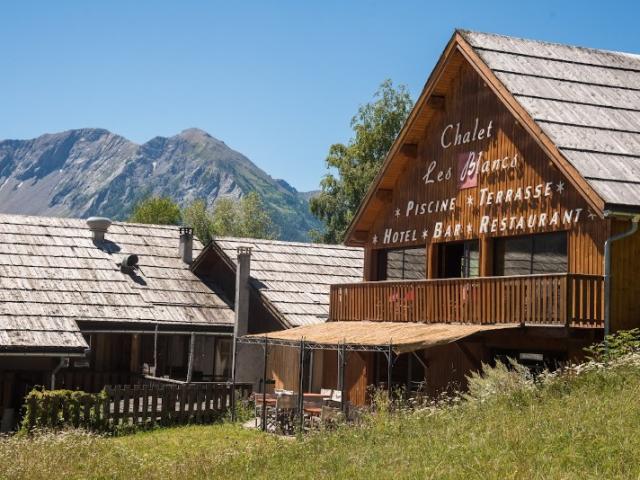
{"x": 469, "y": 98}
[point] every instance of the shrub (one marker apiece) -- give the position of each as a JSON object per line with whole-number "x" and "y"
{"x": 60, "y": 409}
{"x": 615, "y": 346}
{"x": 512, "y": 379}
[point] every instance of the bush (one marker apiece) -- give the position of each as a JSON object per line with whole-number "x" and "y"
{"x": 615, "y": 346}
{"x": 60, "y": 409}
{"x": 512, "y": 379}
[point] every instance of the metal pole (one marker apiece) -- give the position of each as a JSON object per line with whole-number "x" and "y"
{"x": 192, "y": 342}
{"x": 264, "y": 385}
{"x": 389, "y": 369}
{"x": 155, "y": 352}
{"x": 301, "y": 386}
{"x": 343, "y": 364}
{"x": 233, "y": 379}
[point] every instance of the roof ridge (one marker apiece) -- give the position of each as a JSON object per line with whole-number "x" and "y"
{"x": 464, "y": 32}
{"x": 286, "y": 242}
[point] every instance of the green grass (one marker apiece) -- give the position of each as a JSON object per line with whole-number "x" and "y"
{"x": 581, "y": 427}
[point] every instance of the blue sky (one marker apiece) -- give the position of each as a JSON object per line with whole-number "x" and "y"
{"x": 277, "y": 81}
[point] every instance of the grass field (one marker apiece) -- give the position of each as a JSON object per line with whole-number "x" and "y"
{"x": 584, "y": 426}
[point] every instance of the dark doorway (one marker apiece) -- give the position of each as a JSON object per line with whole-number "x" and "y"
{"x": 459, "y": 259}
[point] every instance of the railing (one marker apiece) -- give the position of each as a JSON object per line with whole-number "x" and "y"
{"x": 553, "y": 299}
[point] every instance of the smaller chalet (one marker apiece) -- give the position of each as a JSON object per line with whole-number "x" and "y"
{"x": 92, "y": 303}
{"x": 503, "y": 223}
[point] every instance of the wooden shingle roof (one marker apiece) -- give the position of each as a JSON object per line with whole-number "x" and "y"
{"x": 295, "y": 277}
{"x": 586, "y": 100}
{"x": 53, "y": 275}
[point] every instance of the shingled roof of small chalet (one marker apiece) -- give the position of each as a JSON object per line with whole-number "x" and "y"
{"x": 53, "y": 275}
{"x": 586, "y": 100}
{"x": 295, "y": 277}
{"x": 581, "y": 105}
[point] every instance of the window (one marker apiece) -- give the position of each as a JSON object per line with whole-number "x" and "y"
{"x": 545, "y": 253}
{"x": 407, "y": 264}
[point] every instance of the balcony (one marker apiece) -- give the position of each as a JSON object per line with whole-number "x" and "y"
{"x": 552, "y": 299}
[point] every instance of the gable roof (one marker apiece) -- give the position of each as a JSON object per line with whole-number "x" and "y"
{"x": 53, "y": 275}
{"x": 581, "y": 105}
{"x": 586, "y": 101}
{"x": 295, "y": 278}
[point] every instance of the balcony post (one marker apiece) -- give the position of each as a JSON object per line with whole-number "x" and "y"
{"x": 486, "y": 256}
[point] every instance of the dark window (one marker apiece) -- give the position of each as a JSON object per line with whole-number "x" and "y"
{"x": 406, "y": 264}
{"x": 545, "y": 253}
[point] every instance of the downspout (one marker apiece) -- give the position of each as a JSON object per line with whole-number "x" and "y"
{"x": 607, "y": 265}
{"x": 64, "y": 363}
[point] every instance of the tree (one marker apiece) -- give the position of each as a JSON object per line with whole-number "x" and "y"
{"x": 226, "y": 218}
{"x": 157, "y": 210}
{"x": 255, "y": 219}
{"x": 355, "y": 165}
{"x": 198, "y": 217}
{"x": 247, "y": 217}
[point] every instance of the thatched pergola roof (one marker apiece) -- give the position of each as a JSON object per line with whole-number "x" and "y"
{"x": 401, "y": 337}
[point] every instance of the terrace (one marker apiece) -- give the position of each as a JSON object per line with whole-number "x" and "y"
{"x": 559, "y": 299}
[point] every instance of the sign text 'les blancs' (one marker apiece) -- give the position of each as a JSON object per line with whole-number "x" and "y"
{"x": 472, "y": 166}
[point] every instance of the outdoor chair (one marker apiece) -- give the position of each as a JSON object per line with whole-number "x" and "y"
{"x": 257, "y": 405}
{"x": 285, "y": 410}
{"x": 312, "y": 410}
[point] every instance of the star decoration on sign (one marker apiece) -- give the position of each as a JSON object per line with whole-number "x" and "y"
{"x": 560, "y": 186}
{"x": 397, "y": 212}
{"x": 469, "y": 200}
{"x": 425, "y": 233}
{"x": 469, "y": 228}
{"x": 591, "y": 215}
{"x": 374, "y": 240}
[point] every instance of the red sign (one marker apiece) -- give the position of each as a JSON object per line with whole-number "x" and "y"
{"x": 468, "y": 166}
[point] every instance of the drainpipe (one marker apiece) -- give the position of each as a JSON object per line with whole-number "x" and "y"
{"x": 64, "y": 363}
{"x": 607, "y": 264}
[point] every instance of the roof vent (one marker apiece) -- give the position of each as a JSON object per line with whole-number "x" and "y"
{"x": 129, "y": 263}
{"x": 98, "y": 227}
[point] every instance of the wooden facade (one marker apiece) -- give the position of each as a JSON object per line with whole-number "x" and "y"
{"x": 493, "y": 206}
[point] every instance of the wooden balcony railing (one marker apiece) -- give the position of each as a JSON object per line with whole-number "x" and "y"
{"x": 553, "y": 299}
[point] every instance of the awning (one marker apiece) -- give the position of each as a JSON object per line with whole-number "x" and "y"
{"x": 366, "y": 336}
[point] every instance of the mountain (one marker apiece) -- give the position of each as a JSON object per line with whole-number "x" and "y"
{"x": 90, "y": 171}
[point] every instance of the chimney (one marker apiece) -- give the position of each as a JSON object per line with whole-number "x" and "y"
{"x": 186, "y": 244}
{"x": 243, "y": 270}
{"x": 98, "y": 227}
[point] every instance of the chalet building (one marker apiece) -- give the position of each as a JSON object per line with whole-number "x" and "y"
{"x": 501, "y": 224}
{"x": 92, "y": 303}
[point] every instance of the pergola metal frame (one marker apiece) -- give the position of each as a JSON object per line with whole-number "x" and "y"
{"x": 342, "y": 348}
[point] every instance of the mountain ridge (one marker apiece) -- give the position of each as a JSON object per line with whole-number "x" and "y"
{"x": 92, "y": 171}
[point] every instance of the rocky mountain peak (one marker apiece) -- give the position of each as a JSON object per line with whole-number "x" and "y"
{"x": 91, "y": 171}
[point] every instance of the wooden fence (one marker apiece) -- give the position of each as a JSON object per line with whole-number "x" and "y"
{"x": 553, "y": 299}
{"x": 170, "y": 404}
{"x": 139, "y": 405}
